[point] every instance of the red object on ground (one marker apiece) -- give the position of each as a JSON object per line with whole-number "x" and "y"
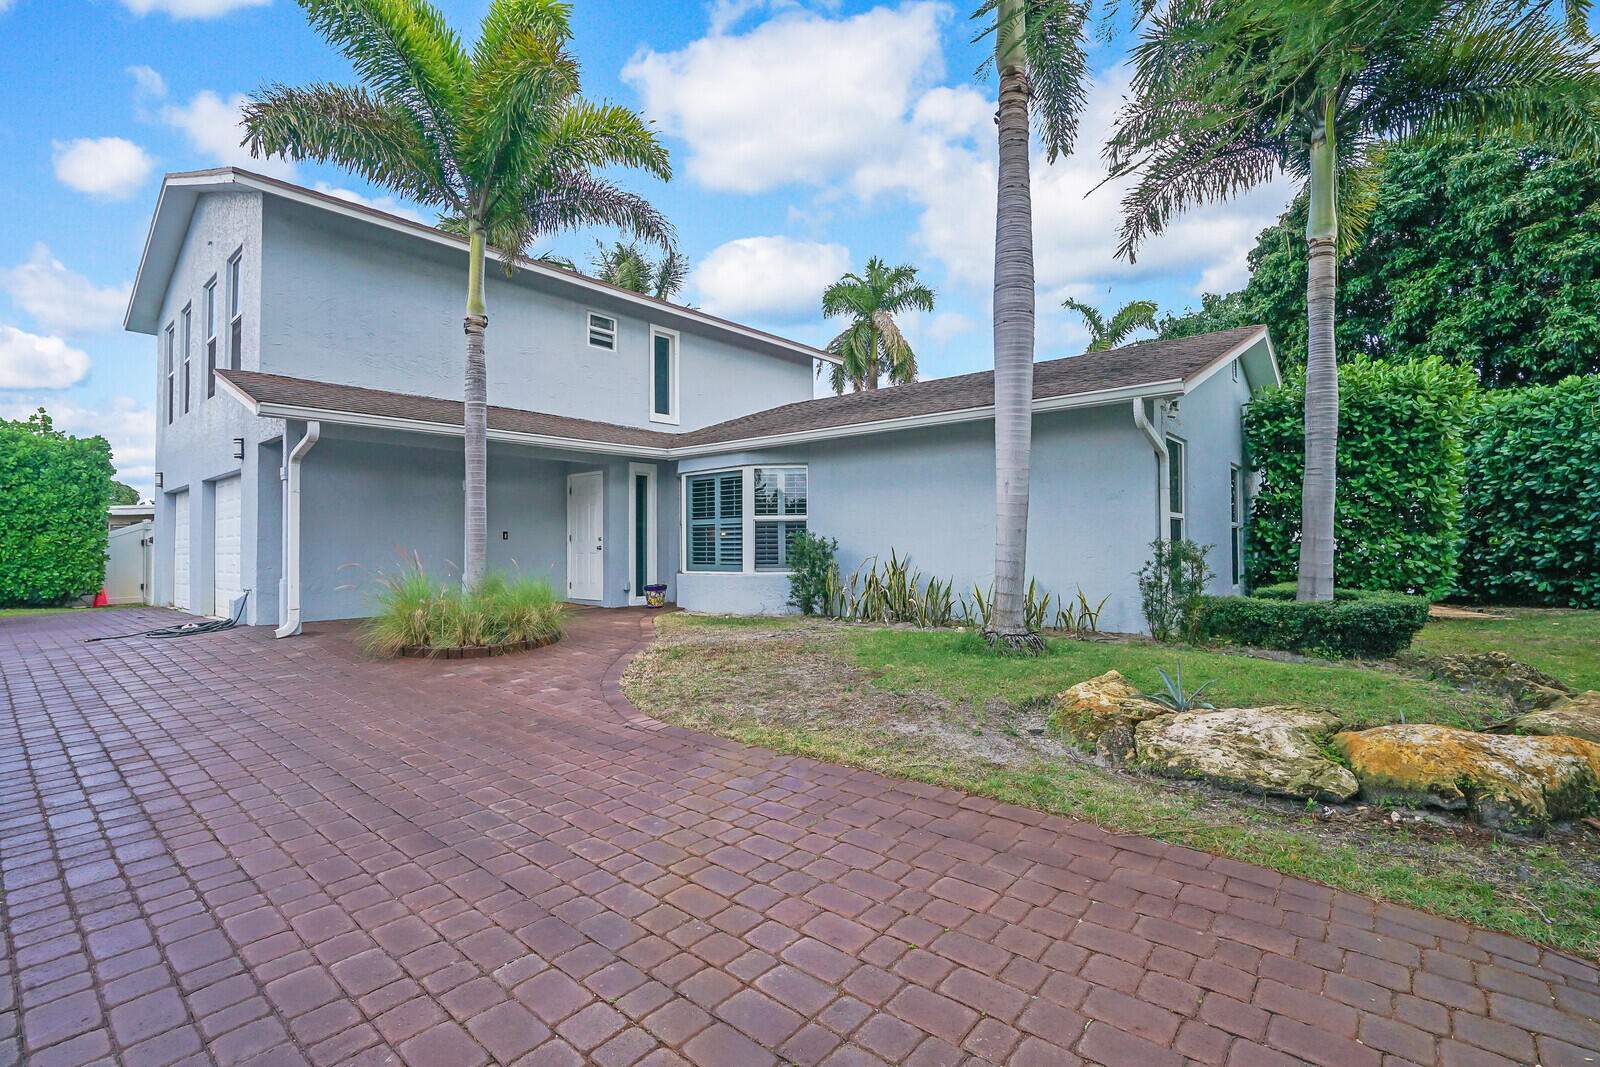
{"x": 100, "y": 598}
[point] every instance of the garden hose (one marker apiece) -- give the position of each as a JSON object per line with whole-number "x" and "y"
{"x": 187, "y": 629}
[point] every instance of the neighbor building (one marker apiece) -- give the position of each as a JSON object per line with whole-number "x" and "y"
{"x": 308, "y": 378}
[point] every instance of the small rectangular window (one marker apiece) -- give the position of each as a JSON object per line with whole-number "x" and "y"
{"x": 1175, "y": 475}
{"x": 663, "y": 375}
{"x": 716, "y": 521}
{"x": 602, "y": 332}
{"x": 235, "y": 314}
{"x": 209, "y": 319}
{"x": 171, "y": 370}
{"x": 188, "y": 319}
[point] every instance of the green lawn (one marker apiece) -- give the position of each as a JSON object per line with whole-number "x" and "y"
{"x": 949, "y": 663}
{"x": 1561, "y": 642}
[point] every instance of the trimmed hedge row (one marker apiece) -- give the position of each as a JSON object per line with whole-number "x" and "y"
{"x": 1354, "y": 623}
{"x": 53, "y": 493}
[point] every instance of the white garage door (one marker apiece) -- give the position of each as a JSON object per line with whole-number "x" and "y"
{"x": 180, "y": 550}
{"x": 226, "y": 544}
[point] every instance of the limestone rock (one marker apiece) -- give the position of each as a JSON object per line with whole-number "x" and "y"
{"x": 1495, "y": 672}
{"x": 1577, "y": 716}
{"x": 1274, "y": 750}
{"x": 1508, "y": 783}
{"x": 1103, "y": 712}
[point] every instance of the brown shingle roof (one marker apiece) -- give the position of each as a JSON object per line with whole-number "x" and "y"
{"x": 1150, "y": 363}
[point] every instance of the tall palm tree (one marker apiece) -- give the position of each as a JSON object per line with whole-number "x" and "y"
{"x": 499, "y": 141}
{"x": 1226, "y": 93}
{"x": 627, "y": 266}
{"x": 1039, "y": 57}
{"x": 1106, "y": 334}
{"x": 872, "y": 345}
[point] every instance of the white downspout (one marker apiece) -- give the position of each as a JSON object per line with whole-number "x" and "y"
{"x": 290, "y": 586}
{"x": 1158, "y": 443}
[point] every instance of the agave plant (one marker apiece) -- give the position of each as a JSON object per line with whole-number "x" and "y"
{"x": 1175, "y": 698}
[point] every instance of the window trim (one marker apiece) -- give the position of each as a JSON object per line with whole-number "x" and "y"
{"x": 589, "y": 315}
{"x": 235, "y": 274}
{"x": 208, "y": 325}
{"x": 188, "y": 345}
{"x": 1236, "y": 511}
{"x": 652, "y": 525}
{"x": 1177, "y": 474}
{"x": 670, "y": 417}
{"x": 170, "y": 336}
{"x": 749, "y": 521}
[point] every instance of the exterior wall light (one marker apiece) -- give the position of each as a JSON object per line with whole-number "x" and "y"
{"x": 238, "y": 448}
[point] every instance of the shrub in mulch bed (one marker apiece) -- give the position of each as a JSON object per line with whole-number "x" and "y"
{"x": 419, "y": 616}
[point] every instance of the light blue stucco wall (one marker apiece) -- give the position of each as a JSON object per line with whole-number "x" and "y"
{"x": 1210, "y": 420}
{"x": 356, "y": 304}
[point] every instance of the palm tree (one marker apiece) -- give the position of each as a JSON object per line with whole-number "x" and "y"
{"x": 1106, "y": 334}
{"x": 1227, "y": 93}
{"x": 1039, "y": 57}
{"x": 872, "y": 345}
{"x": 499, "y": 141}
{"x": 626, "y": 266}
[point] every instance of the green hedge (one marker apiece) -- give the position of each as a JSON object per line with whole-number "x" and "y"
{"x": 53, "y": 494}
{"x": 1531, "y": 527}
{"x": 1400, "y": 460}
{"x": 1354, "y": 623}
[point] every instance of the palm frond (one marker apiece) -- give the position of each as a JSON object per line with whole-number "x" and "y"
{"x": 900, "y": 362}
{"x": 571, "y": 201}
{"x": 551, "y": 18}
{"x": 521, "y": 92}
{"x": 1052, "y": 39}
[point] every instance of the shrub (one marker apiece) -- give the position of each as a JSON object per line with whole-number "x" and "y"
{"x": 53, "y": 496}
{"x": 811, "y": 566}
{"x": 1171, "y": 585}
{"x": 1354, "y": 624}
{"x": 415, "y": 609}
{"x": 1532, "y": 515}
{"x": 1400, "y": 471}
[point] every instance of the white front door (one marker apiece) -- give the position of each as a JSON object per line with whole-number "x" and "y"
{"x": 225, "y": 544}
{"x": 586, "y": 536}
{"x": 180, "y": 550}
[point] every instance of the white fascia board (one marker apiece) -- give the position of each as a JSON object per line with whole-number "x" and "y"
{"x": 1238, "y": 351}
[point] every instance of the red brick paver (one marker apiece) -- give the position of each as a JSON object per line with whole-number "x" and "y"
{"x": 229, "y": 849}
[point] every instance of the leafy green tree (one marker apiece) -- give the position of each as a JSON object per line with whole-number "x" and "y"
{"x": 1503, "y": 273}
{"x": 123, "y": 494}
{"x": 872, "y": 346}
{"x": 1040, "y": 60}
{"x": 627, "y": 266}
{"x": 1106, "y": 334}
{"x": 499, "y": 141}
{"x": 1226, "y": 93}
{"x": 53, "y": 493}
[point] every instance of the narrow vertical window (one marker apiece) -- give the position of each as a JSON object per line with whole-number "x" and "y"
{"x": 208, "y": 318}
{"x": 171, "y": 371}
{"x": 780, "y": 514}
{"x": 188, "y": 320}
{"x": 1175, "y": 461}
{"x": 1236, "y": 517}
{"x": 716, "y": 521}
{"x": 663, "y": 375}
{"x": 235, "y": 315}
{"x": 641, "y": 533}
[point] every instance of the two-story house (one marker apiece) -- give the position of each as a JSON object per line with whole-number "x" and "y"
{"x": 308, "y": 372}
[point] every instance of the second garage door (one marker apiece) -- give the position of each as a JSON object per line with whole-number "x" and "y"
{"x": 180, "y": 550}
{"x": 226, "y": 545}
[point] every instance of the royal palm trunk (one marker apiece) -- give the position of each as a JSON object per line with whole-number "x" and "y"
{"x": 1013, "y": 334}
{"x": 1322, "y": 375}
{"x": 475, "y": 418}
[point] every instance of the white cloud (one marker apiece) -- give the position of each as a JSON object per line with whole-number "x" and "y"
{"x": 382, "y": 203}
{"x": 129, "y": 427}
{"x": 148, "y": 82}
{"x": 190, "y": 9}
{"x": 773, "y": 277}
{"x": 212, "y": 126}
{"x": 799, "y": 98}
{"x": 947, "y": 324}
{"x": 28, "y": 361}
{"x": 63, "y": 301}
{"x": 101, "y": 166}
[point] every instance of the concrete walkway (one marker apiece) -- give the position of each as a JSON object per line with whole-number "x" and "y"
{"x": 229, "y": 849}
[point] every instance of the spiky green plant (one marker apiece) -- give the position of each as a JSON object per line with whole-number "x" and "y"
{"x": 499, "y": 141}
{"x": 416, "y": 610}
{"x": 1175, "y": 698}
{"x": 1228, "y": 93}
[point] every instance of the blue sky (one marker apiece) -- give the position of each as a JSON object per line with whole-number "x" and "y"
{"x": 804, "y": 139}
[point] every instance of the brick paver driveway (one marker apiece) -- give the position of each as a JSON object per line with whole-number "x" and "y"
{"x": 232, "y": 849}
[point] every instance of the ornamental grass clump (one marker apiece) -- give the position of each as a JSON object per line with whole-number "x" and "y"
{"x": 416, "y": 611}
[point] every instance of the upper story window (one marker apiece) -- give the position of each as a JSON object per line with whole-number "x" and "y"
{"x": 188, "y": 330}
{"x": 725, "y": 511}
{"x": 235, "y": 314}
{"x": 602, "y": 331}
{"x": 663, "y": 375}
{"x": 1176, "y": 458}
{"x": 208, "y": 319}
{"x": 170, "y": 367}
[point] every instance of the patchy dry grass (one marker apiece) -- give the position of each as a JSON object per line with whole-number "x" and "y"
{"x": 1561, "y": 642}
{"x": 867, "y": 697}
